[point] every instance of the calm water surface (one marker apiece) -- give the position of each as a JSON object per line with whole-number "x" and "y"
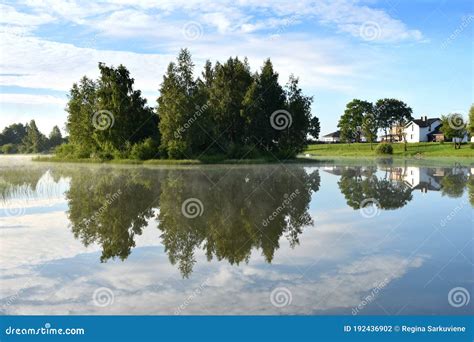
{"x": 353, "y": 237}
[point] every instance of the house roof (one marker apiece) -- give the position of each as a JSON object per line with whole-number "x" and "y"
{"x": 436, "y": 131}
{"x": 335, "y": 134}
{"x": 424, "y": 123}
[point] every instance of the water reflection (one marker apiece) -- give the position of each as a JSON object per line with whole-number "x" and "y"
{"x": 260, "y": 227}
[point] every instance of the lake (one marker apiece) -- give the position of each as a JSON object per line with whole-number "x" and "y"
{"x": 350, "y": 237}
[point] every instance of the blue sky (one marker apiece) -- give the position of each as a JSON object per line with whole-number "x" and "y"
{"x": 419, "y": 51}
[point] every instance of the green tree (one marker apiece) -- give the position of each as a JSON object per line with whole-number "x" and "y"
{"x": 55, "y": 137}
{"x": 293, "y": 139}
{"x": 81, "y": 107}
{"x": 392, "y": 113}
{"x": 13, "y": 134}
{"x": 370, "y": 128}
{"x": 471, "y": 121}
{"x": 263, "y": 97}
{"x": 123, "y": 116}
{"x": 178, "y": 109}
{"x": 314, "y": 127}
{"x": 453, "y": 128}
{"x": 350, "y": 123}
{"x": 34, "y": 141}
{"x": 229, "y": 87}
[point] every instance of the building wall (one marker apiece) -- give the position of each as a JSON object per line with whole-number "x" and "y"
{"x": 412, "y": 133}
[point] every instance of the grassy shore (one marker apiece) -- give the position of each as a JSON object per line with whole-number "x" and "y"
{"x": 176, "y": 161}
{"x": 421, "y": 150}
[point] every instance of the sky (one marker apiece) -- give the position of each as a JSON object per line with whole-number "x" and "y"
{"x": 418, "y": 51}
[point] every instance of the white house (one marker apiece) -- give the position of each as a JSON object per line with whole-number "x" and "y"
{"x": 423, "y": 129}
{"x": 332, "y": 137}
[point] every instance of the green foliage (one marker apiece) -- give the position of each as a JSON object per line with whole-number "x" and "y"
{"x": 34, "y": 141}
{"x": 144, "y": 150}
{"x": 9, "y": 149}
{"x": 471, "y": 121}
{"x": 392, "y": 112}
{"x": 13, "y": 134}
{"x": 55, "y": 138}
{"x": 384, "y": 148}
{"x": 351, "y": 122}
{"x": 453, "y": 128}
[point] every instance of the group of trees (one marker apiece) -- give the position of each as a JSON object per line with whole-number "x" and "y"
{"x": 364, "y": 119}
{"x": 227, "y": 111}
{"x": 19, "y": 138}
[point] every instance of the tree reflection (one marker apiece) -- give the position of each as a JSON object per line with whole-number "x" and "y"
{"x": 360, "y": 184}
{"x": 111, "y": 207}
{"x": 242, "y": 210}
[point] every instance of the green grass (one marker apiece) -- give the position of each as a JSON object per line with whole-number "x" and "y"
{"x": 421, "y": 150}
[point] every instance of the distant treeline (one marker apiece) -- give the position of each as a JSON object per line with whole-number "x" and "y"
{"x": 227, "y": 111}
{"x": 19, "y": 138}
